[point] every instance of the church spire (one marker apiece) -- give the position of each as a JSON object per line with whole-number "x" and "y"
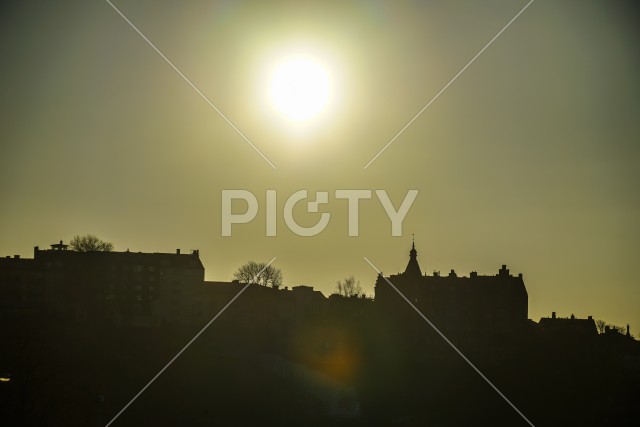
{"x": 413, "y": 269}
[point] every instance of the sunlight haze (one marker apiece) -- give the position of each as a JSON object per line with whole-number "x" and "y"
{"x": 528, "y": 159}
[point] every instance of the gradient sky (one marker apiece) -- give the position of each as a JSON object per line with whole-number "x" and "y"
{"x": 528, "y": 159}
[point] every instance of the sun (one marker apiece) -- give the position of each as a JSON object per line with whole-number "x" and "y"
{"x": 299, "y": 88}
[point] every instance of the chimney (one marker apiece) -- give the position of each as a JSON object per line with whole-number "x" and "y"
{"x": 573, "y": 317}
{"x": 504, "y": 272}
{"x": 553, "y": 314}
{"x": 178, "y": 251}
{"x": 590, "y": 317}
{"x": 16, "y": 256}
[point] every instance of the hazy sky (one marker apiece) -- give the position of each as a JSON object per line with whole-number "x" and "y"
{"x": 527, "y": 159}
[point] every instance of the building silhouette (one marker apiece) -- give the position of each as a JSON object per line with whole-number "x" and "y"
{"x": 124, "y": 288}
{"x": 458, "y": 304}
{"x": 138, "y": 289}
{"x": 567, "y": 327}
{"x": 82, "y": 324}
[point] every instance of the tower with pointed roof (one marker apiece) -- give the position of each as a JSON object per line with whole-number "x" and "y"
{"x": 413, "y": 269}
{"x": 464, "y": 305}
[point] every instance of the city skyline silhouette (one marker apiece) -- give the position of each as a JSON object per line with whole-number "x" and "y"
{"x": 353, "y": 358}
{"x": 467, "y": 169}
{"x": 527, "y": 159}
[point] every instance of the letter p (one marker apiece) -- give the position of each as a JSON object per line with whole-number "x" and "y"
{"x": 228, "y": 217}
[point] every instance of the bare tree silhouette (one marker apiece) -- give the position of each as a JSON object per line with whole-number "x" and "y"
{"x": 90, "y": 243}
{"x": 602, "y": 327}
{"x": 259, "y": 273}
{"x": 349, "y": 287}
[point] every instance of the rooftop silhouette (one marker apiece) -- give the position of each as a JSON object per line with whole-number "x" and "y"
{"x": 291, "y": 353}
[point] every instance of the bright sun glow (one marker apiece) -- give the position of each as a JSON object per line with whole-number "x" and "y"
{"x": 299, "y": 88}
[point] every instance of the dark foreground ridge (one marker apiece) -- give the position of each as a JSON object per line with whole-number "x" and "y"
{"x": 83, "y": 332}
